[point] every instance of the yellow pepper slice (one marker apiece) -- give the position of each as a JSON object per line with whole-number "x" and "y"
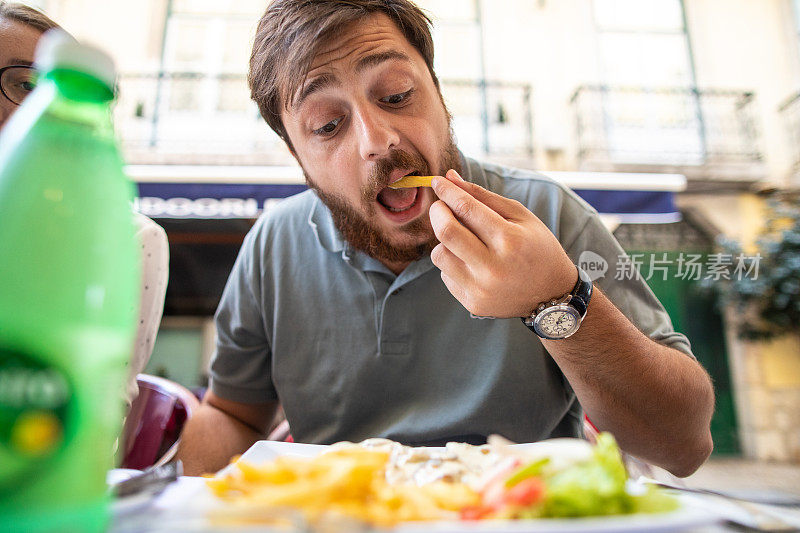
{"x": 411, "y": 181}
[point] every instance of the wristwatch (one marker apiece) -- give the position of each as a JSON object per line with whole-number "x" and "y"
{"x": 560, "y": 318}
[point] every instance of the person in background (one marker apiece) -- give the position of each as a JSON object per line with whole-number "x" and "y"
{"x": 369, "y": 311}
{"x": 20, "y": 29}
{"x": 155, "y": 275}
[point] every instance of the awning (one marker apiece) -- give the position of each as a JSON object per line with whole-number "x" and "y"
{"x": 627, "y": 198}
{"x": 217, "y": 192}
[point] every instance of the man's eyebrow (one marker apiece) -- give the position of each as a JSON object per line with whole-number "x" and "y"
{"x": 18, "y": 61}
{"x": 378, "y": 58}
{"x": 318, "y": 83}
{"x": 325, "y": 80}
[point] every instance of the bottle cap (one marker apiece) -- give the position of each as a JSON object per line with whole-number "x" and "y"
{"x": 57, "y": 49}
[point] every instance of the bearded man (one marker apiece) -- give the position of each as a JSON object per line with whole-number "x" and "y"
{"x": 367, "y": 311}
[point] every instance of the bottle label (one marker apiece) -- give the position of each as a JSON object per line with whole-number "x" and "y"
{"x": 34, "y": 407}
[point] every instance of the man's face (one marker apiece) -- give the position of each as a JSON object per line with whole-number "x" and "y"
{"x": 17, "y": 44}
{"x": 367, "y": 115}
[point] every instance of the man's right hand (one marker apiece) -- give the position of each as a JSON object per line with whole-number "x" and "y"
{"x": 221, "y": 429}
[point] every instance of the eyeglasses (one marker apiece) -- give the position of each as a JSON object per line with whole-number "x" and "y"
{"x": 17, "y": 82}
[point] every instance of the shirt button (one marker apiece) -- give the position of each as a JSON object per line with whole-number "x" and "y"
{"x": 396, "y": 292}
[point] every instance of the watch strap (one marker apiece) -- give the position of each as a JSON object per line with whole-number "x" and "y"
{"x": 582, "y": 293}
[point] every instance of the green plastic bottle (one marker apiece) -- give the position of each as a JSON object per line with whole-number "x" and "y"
{"x": 69, "y": 281}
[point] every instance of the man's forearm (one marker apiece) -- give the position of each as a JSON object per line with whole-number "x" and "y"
{"x": 210, "y": 438}
{"x": 498, "y": 259}
{"x": 656, "y": 400}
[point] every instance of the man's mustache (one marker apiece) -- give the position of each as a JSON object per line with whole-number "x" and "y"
{"x": 380, "y": 178}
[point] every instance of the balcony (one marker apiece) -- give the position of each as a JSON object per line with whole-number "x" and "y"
{"x": 790, "y": 113}
{"x": 180, "y": 118}
{"x": 492, "y": 119}
{"x": 185, "y": 117}
{"x": 710, "y": 136}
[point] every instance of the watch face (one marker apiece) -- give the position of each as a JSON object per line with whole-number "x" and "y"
{"x": 557, "y": 322}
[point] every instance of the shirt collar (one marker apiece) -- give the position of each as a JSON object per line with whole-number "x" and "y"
{"x": 321, "y": 222}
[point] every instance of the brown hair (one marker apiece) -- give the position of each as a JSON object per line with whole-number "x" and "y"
{"x": 26, "y": 15}
{"x": 291, "y": 32}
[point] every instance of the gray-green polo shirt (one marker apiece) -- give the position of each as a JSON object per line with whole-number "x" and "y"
{"x": 353, "y": 351}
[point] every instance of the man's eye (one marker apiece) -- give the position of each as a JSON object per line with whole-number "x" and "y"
{"x": 394, "y": 99}
{"x": 328, "y": 128}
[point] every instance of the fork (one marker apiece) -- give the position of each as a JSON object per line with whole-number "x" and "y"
{"x": 760, "y": 518}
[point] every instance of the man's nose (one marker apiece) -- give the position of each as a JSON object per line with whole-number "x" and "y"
{"x": 376, "y": 133}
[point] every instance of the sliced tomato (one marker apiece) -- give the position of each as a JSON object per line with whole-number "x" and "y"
{"x": 475, "y": 512}
{"x": 526, "y": 492}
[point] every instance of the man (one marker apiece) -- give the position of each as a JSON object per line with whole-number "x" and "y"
{"x": 369, "y": 311}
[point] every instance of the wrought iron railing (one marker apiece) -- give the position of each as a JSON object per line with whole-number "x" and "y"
{"x": 178, "y": 116}
{"x": 493, "y": 118}
{"x": 790, "y": 112}
{"x": 664, "y": 127}
{"x": 171, "y": 117}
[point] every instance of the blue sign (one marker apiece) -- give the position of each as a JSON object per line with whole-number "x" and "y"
{"x": 225, "y": 200}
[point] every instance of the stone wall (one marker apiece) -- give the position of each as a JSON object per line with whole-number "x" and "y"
{"x": 766, "y": 379}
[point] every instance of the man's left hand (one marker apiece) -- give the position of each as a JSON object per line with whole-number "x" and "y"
{"x": 497, "y": 258}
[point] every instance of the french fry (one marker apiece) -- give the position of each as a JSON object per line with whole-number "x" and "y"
{"x": 411, "y": 181}
{"x": 342, "y": 484}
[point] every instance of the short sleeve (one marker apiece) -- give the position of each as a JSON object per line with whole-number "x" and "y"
{"x": 154, "y": 253}
{"x": 241, "y": 365}
{"x": 590, "y": 240}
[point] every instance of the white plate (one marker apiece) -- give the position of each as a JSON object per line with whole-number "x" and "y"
{"x": 690, "y": 515}
{"x": 687, "y": 517}
{"x": 266, "y": 450}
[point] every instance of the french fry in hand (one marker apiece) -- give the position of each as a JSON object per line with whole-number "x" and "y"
{"x": 411, "y": 181}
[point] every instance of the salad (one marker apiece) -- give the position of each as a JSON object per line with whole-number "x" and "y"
{"x": 595, "y": 486}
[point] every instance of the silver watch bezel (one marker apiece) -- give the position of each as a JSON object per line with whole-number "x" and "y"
{"x": 564, "y": 307}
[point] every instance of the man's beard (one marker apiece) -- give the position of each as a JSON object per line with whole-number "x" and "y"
{"x": 365, "y": 235}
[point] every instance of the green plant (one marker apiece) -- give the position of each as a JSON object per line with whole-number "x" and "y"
{"x": 769, "y": 302}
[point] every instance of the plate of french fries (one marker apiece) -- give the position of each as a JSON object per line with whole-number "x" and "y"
{"x": 380, "y": 485}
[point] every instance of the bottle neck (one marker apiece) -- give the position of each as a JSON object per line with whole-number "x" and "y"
{"x": 78, "y": 97}
{"x": 79, "y": 86}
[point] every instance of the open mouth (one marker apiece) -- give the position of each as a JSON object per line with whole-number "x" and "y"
{"x": 399, "y": 200}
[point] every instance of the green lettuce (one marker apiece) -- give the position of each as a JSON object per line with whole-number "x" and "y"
{"x": 598, "y": 487}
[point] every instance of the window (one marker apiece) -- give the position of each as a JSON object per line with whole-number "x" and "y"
{"x": 489, "y": 117}
{"x": 204, "y": 103}
{"x": 651, "y": 111}
{"x": 643, "y": 42}
{"x": 457, "y": 34}
{"x": 205, "y": 52}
